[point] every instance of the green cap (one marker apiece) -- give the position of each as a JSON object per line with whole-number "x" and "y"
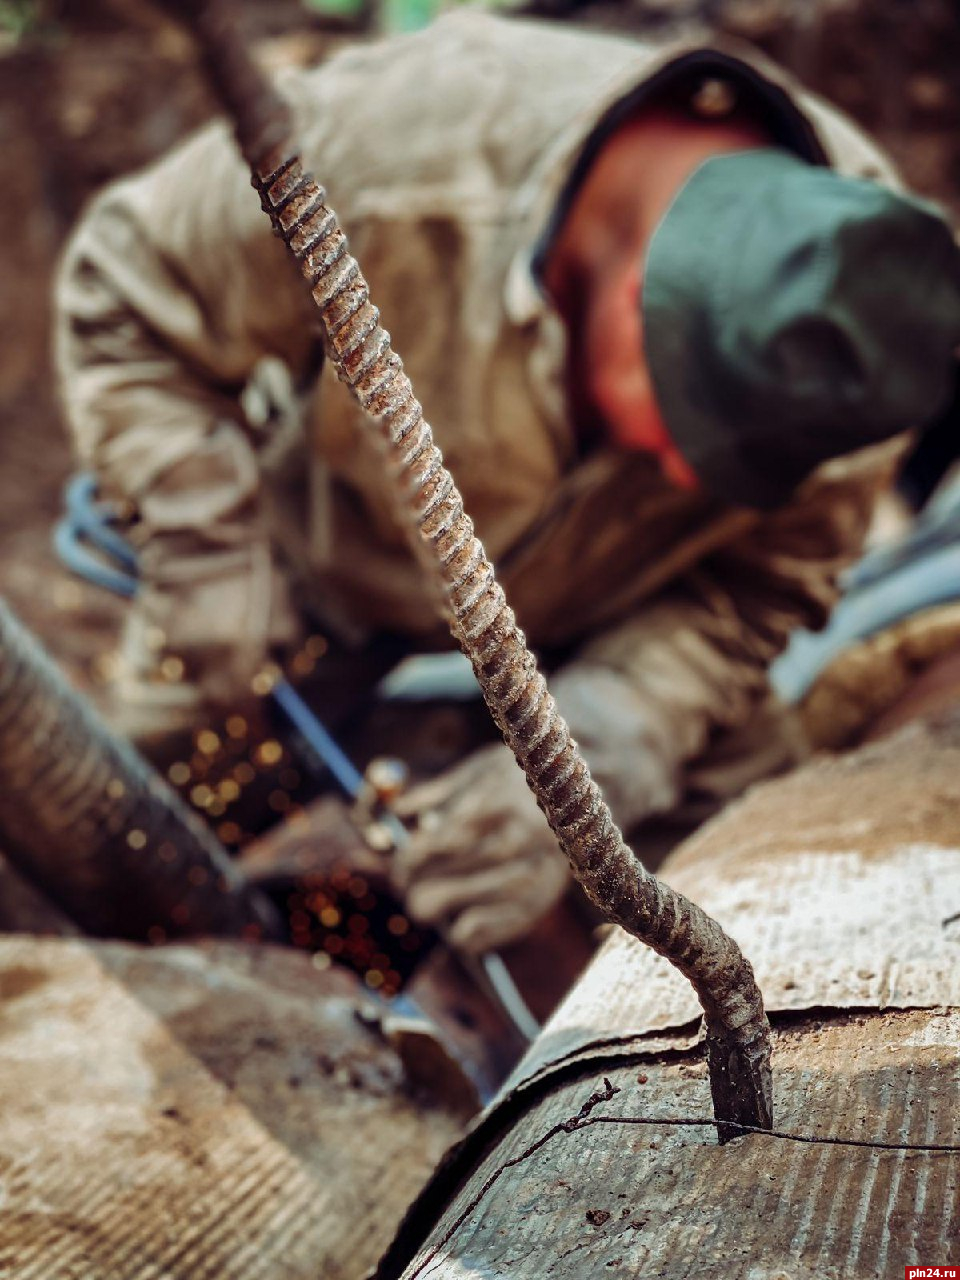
{"x": 791, "y": 315}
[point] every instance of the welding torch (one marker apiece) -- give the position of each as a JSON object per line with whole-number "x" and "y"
{"x": 381, "y": 785}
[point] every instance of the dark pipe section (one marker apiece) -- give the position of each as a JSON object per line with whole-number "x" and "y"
{"x": 85, "y": 818}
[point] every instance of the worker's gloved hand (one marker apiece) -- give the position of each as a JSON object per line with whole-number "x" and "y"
{"x": 482, "y": 866}
{"x": 632, "y": 745}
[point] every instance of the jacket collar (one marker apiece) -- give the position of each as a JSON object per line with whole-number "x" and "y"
{"x": 542, "y": 199}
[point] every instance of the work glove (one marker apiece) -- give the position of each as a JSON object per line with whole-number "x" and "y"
{"x": 630, "y": 742}
{"x": 481, "y": 866}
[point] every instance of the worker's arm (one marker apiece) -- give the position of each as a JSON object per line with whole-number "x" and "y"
{"x": 171, "y": 292}
{"x": 642, "y": 700}
{"x": 695, "y": 661}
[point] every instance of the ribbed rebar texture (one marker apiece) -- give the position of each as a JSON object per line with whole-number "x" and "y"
{"x": 482, "y": 622}
{"x": 89, "y": 822}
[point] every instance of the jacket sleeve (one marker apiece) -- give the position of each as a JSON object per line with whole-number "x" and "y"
{"x": 171, "y": 292}
{"x": 644, "y": 697}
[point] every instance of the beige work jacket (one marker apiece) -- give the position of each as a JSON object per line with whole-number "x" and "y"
{"x": 444, "y": 154}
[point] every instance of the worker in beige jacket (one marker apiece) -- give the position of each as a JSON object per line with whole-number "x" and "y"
{"x": 666, "y": 315}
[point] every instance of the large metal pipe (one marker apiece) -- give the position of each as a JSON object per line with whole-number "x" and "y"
{"x": 85, "y": 818}
{"x": 598, "y": 1159}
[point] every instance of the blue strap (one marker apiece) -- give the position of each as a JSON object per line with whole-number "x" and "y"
{"x": 96, "y": 521}
{"x": 79, "y": 559}
{"x": 87, "y": 541}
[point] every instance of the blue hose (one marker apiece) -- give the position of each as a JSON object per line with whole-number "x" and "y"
{"x": 87, "y": 541}
{"x": 317, "y": 737}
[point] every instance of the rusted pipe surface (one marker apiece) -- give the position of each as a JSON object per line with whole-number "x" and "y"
{"x": 216, "y": 1113}
{"x": 480, "y": 618}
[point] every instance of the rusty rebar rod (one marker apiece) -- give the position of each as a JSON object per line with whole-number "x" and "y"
{"x": 737, "y": 1032}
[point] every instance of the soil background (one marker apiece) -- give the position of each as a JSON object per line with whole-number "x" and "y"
{"x": 91, "y": 89}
